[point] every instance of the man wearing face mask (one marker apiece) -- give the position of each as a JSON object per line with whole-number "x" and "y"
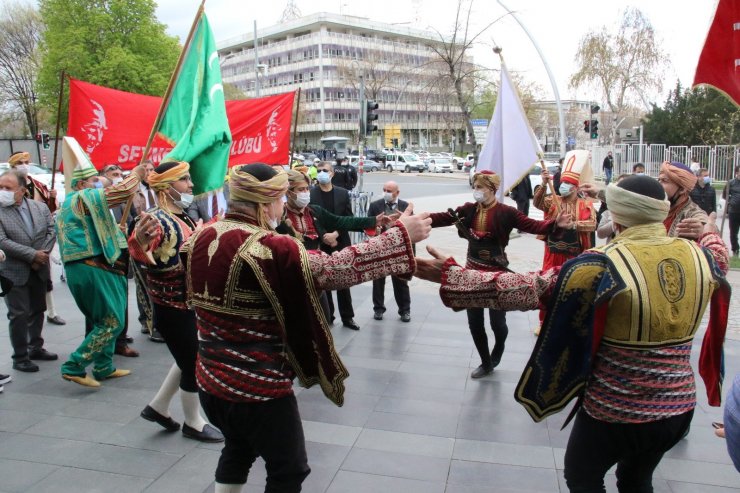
{"x": 487, "y": 224}
{"x": 703, "y": 193}
{"x": 35, "y": 190}
{"x": 260, "y": 325}
{"x": 156, "y": 242}
{"x": 337, "y": 201}
{"x": 91, "y": 244}
{"x": 313, "y": 225}
{"x": 685, "y": 218}
{"x": 26, "y": 236}
{"x": 391, "y": 206}
{"x": 567, "y": 244}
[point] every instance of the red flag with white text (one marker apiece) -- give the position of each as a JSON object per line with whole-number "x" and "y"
{"x": 113, "y": 126}
{"x": 719, "y": 62}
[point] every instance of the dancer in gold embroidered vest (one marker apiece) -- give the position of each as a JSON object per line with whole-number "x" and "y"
{"x": 260, "y": 323}
{"x": 620, "y": 324}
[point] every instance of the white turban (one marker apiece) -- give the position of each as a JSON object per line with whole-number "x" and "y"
{"x": 631, "y": 209}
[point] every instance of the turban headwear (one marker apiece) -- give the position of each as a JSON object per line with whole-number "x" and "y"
{"x": 167, "y": 173}
{"x": 296, "y": 177}
{"x": 16, "y": 158}
{"x": 678, "y": 173}
{"x": 244, "y": 187}
{"x": 631, "y": 209}
{"x": 488, "y": 179}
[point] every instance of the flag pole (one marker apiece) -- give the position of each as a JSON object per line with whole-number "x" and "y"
{"x": 173, "y": 79}
{"x": 295, "y": 127}
{"x": 56, "y": 134}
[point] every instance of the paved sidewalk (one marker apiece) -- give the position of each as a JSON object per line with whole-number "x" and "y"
{"x": 413, "y": 420}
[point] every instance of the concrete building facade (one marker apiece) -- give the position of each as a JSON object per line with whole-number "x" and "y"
{"x": 325, "y": 55}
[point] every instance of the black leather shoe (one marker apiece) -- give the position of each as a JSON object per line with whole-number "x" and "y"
{"x": 144, "y": 330}
{"x": 351, "y": 324}
{"x": 129, "y": 339}
{"x": 481, "y": 372}
{"x": 56, "y": 320}
{"x": 209, "y": 434}
{"x": 378, "y": 315}
{"x": 165, "y": 422}
{"x": 25, "y": 365}
{"x": 42, "y": 355}
{"x": 156, "y": 336}
{"x": 405, "y": 317}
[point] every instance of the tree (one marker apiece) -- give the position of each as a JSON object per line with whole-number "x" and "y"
{"x": 114, "y": 43}
{"x": 623, "y": 65}
{"x": 20, "y": 32}
{"x": 452, "y": 55}
{"x": 700, "y": 116}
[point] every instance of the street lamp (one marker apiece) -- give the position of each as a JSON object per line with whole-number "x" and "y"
{"x": 395, "y": 106}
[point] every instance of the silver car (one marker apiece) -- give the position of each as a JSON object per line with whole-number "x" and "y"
{"x": 440, "y": 165}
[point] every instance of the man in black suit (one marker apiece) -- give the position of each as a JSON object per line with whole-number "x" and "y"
{"x": 390, "y": 205}
{"x": 207, "y": 206}
{"x": 336, "y": 200}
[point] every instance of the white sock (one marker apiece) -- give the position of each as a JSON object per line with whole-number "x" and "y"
{"x": 191, "y": 409}
{"x": 228, "y": 488}
{"x": 168, "y": 389}
{"x": 51, "y": 310}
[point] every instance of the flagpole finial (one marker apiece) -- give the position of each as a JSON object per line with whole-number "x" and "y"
{"x": 497, "y": 50}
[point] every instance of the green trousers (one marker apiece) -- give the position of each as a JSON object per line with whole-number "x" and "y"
{"x": 101, "y": 296}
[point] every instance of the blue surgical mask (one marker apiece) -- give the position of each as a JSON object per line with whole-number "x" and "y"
{"x": 323, "y": 177}
{"x": 707, "y": 180}
{"x": 98, "y": 184}
{"x": 565, "y": 189}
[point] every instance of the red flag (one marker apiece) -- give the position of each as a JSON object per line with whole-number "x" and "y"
{"x": 720, "y": 59}
{"x": 113, "y": 126}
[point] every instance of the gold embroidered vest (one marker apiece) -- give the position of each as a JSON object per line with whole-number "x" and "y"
{"x": 669, "y": 284}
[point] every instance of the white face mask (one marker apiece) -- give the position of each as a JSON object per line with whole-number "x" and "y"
{"x": 479, "y": 196}
{"x": 388, "y": 196}
{"x": 116, "y": 181}
{"x": 302, "y": 199}
{"x": 565, "y": 189}
{"x": 23, "y": 169}
{"x": 273, "y": 223}
{"x": 185, "y": 200}
{"x": 7, "y": 198}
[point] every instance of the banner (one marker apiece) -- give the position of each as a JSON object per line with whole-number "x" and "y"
{"x": 718, "y": 62}
{"x": 511, "y": 148}
{"x": 112, "y": 126}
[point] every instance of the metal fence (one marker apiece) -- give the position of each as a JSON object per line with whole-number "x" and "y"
{"x": 719, "y": 160}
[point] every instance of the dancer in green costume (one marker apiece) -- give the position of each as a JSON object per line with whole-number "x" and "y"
{"x": 90, "y": 243}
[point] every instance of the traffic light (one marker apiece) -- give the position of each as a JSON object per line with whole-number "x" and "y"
{"x": 38, "y": 138}
{"x": 595, "y": 109}
{"x": 45, "y": 140}
{"x": 594, "y": 129}
{"x": 587, "y": 126}
{"x": 370, "y": 116}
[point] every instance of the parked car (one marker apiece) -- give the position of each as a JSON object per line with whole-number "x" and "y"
{"x": 440, "y": 165}
{"x": 375, "y": 155}
{"x": 368, "y": 165}
{"x": 463, "y": 163}
{"x": 404, "y": 161}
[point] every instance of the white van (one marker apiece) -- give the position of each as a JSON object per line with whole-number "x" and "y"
{"x": 404, "y": 162}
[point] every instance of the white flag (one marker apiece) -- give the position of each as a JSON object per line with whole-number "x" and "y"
{"x": 511, "y": 148}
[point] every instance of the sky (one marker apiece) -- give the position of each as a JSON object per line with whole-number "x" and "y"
{"x": 557, "y": 26}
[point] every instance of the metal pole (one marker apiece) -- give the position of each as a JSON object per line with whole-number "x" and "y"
{"x": 256, "y": 65}
{"x": 561, "y": 116}
{"x": 361, "y": 139}
{"x": 56, "y": 133}
{"x": 640, "y": 151}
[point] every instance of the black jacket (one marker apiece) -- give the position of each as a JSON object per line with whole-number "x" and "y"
{"x": 342, "y": 207}
{"x": 732, "y": 195}
{"x": 344, "y": 176}
{"x": 705, "y": 197}
{"x": 522, "y": 192}
{"x": 378, "y": 207}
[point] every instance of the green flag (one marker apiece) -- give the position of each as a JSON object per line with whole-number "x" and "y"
{"x": 195, "y": 120}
